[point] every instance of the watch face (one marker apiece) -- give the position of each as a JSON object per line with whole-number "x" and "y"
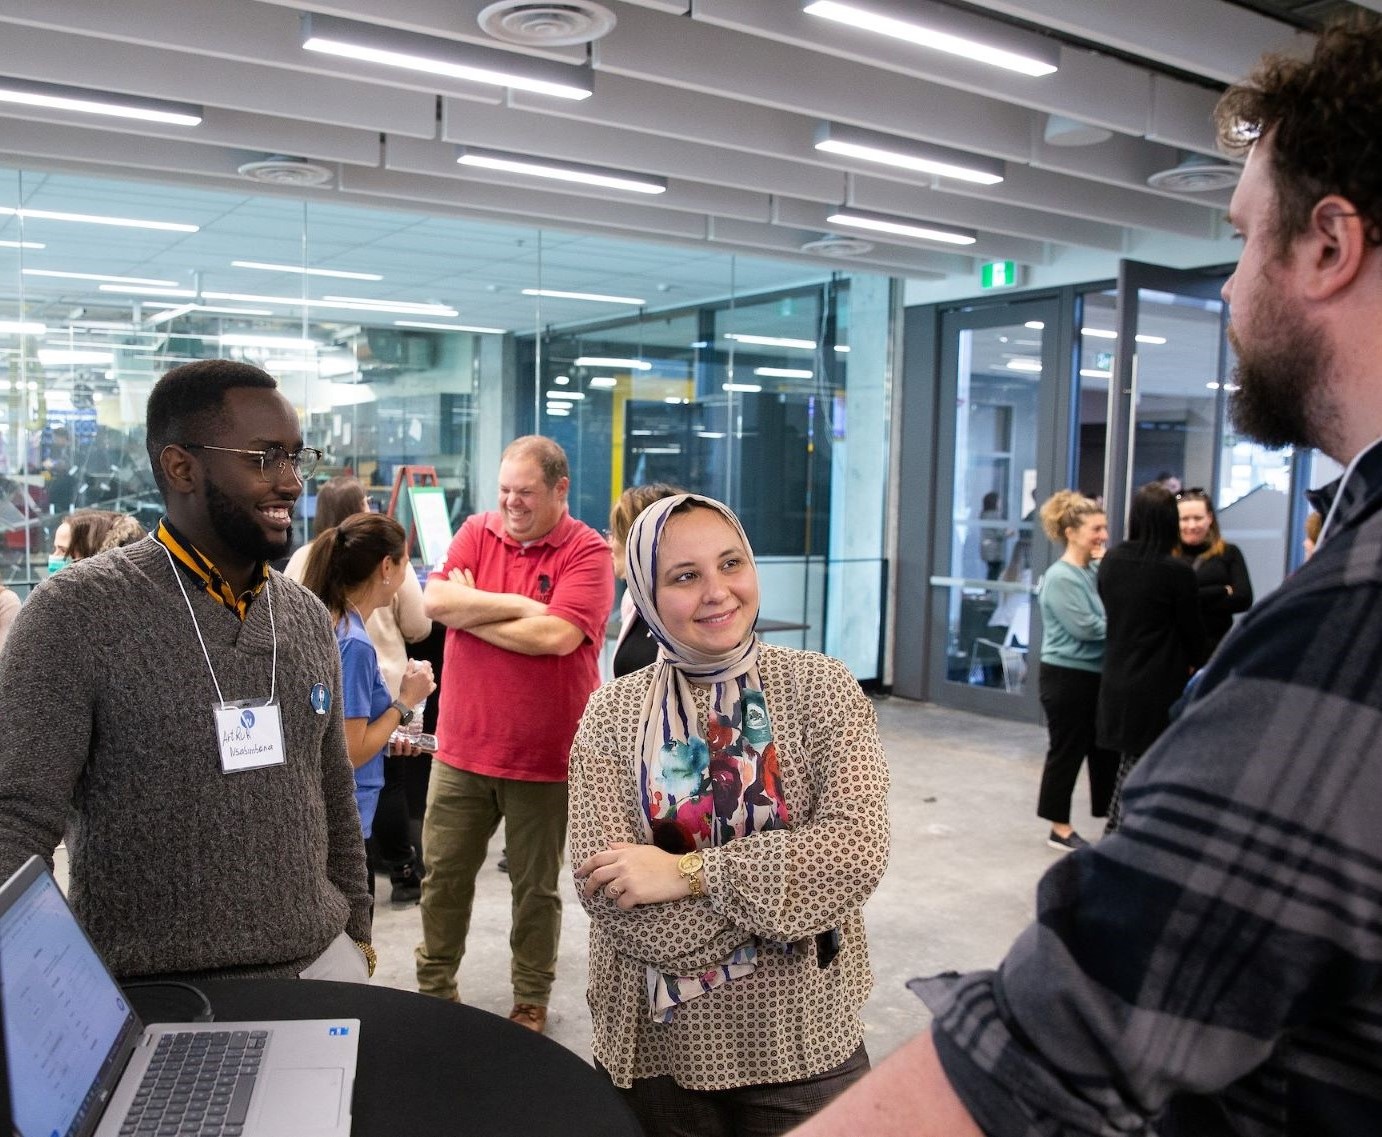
{"x": 690, "y": 864}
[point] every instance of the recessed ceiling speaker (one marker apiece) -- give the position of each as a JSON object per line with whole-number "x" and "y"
{"x": 1196, "y": 173}
{"x": 532, "y": 23}
{"x": 838, "y": 248}
{"x": 282, "y": 170}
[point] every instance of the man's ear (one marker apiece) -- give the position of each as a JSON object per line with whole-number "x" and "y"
{"x": 1334, "y": 247}
{"x": 179, "y": 468}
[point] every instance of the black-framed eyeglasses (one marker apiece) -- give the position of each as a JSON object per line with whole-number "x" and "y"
{"x": 274, "y": 459}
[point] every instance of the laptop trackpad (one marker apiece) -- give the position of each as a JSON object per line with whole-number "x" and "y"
{"x": 292, "y": 1101}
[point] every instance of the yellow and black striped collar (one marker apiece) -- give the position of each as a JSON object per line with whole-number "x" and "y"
{"x": 200, "y": 569}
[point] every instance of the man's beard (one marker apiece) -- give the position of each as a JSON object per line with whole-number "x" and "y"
{"x": 1280, "y": 400}
{"x": 238, "y": 529}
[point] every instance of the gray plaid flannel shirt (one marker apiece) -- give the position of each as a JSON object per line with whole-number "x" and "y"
{"x": 1215, "y": 967}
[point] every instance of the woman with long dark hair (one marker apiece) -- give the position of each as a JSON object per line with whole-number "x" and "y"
{"x": 356, "y": 568}
{"x": 1154, "y": 639}
{"x": 1225, "y": 589}
{"x": 391, "y": 628}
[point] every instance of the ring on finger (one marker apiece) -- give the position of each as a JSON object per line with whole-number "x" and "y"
{"x": 612, "y": 891}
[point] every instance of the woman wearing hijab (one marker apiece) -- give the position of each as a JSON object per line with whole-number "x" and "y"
{"x": 728, "y": 822}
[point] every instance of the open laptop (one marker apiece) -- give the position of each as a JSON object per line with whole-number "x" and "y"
{"x": 78, "y": 1055}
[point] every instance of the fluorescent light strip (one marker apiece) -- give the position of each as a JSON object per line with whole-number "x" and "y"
{"x": 22, "y": 245}
{"x": 22, "y": 328}
{"x": 145, "y": 290}
{"x": 52, "y": 272}
{"x": 1032, "y": 365}
{"x": 596, "y": 297}
{"x": 605, "y": 381}
{"x": 770, "y": 341}
{"x": 566, "y": 394}
{"x": 1102, "y": 334}
{"x": 562, "y": 172}
{"x": 1035, "y": 325}
{"x": 841, "y": 347}
{"x": 173, "y": 312}
{"x": 559, "y": 412}
{"x": 559, "y": 379}
{"x": 96, "y": 219}
{"x": 746, "y": 388}
{"x": 610, "y": 361}
{"x": 55, "y": 96}
{"x": 907, "y": 154}
{"x": 1095, "y": 373}
{"x": 930, "y": 37}
{"x": 449, "y": 327}
{"x": 784, "y": 373}
{"x": 353, "y": 305}
{"x": 392, "y": 47}
{"x": 922, "y": 232}
{"x": 295, "y": 343}
{"x": 335, "y": 272}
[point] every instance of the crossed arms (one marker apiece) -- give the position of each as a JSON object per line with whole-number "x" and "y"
{"x": 506, "y": 620}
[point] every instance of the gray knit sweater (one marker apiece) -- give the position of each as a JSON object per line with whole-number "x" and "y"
{"x": 106, "y": 733}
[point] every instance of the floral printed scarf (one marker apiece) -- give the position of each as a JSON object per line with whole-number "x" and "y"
{"x": 700, "y": 784}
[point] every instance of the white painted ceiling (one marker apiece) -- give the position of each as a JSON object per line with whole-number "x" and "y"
{"x": 720, "y": 97}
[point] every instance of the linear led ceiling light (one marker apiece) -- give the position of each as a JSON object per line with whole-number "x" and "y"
{"x": 95, "y": 219}
{"x": 873, "y": 146}
{"x": 945, "y": 29}
{"x": 55, "y": 273}
{"x": 336, "y": 272}
{"x": 55, "y": 96}
{"x": 611, "y": 361}
{"x": 560, "y": 171}
{"x": 784, "y": 373}
{"x": 348, "y": 303}
{"x": 449, "y": 327}
{"x": 22, "y": 328}
{"x": 901, "y": 227}
{"x": 596, "y": 297}
{"x": 22, "y": 245}
{"x": 393, "y": 47}
{"x": 770, "y": 341}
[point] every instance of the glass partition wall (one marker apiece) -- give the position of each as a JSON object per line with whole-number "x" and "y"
{"x": 409, "y": 340}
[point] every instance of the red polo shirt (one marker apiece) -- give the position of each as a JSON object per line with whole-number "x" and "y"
{"x": 509, "y": 715}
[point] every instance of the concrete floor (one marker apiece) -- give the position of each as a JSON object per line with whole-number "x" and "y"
{"x": 967, "y": 850}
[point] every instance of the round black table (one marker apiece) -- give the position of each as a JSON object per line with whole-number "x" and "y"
{"x": 428, "y": 1068}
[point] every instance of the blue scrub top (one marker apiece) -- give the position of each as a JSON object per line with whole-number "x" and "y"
{"x": 364, "y": 697}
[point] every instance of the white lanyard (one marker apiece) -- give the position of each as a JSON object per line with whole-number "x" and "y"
{"x": 273, "y": 633}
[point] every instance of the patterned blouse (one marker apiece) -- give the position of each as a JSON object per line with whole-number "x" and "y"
{"x": 792, "y": 1018}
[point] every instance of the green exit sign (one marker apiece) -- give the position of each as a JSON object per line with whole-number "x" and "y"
{"x": 999, "y": 274}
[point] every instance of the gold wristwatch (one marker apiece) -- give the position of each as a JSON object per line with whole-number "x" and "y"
{"x": 690, "y": 866}
{"x": 367, "y": 950}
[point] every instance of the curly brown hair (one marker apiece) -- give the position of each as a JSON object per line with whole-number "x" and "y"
{"x": 1324, "y": 117}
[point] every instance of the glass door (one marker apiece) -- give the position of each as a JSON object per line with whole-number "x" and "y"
{"x": 1168, "y": 411}
{"x": 1000, "y": 384}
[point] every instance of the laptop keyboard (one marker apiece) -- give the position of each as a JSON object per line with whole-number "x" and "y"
{"x": 198, "y": 1084}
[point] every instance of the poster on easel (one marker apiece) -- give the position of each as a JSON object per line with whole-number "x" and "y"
{"x": 431, "y": 521}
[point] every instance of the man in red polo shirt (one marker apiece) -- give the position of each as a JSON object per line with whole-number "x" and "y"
{"x": 525, "y": 593}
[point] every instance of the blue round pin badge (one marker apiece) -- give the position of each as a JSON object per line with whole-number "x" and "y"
{"x": 321, "y": 698}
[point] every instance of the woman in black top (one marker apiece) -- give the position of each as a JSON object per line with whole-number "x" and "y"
{"x": 635, "y": 646}
{"x": 1224, "y": 586}
{"x": 1154, "y": 639}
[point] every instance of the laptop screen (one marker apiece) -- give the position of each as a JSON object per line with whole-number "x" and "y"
{"x": 64, "y": 1016}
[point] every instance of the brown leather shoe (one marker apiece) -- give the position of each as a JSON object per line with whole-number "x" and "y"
{"x": 530, "y": 1015}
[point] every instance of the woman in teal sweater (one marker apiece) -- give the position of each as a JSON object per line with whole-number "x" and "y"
{"x": 1072, "y": 656}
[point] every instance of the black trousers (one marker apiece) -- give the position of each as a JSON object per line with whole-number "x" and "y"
{"x": 1069, "y": 696}
{"x": 665, "y": 1109}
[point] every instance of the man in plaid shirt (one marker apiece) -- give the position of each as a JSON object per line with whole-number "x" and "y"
{"x": 1215, "y": 967}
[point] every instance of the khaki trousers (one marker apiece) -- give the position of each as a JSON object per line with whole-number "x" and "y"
{"x": 463, "y": 812}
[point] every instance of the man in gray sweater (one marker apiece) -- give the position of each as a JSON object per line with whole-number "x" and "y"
{"x": 174, "y": 707}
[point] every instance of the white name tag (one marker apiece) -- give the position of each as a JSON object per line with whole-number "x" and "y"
{"x": 250, "y": 736}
